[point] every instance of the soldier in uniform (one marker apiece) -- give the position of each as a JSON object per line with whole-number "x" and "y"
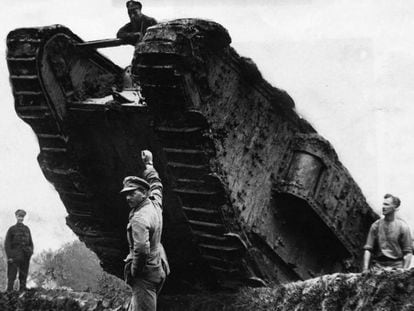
{"x": 133, "y": 31}
{"x": 146, "y": 265}
{"x": 19, "y": 249}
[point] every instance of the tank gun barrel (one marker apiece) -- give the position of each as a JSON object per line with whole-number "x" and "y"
{"x": 104, "y": 43}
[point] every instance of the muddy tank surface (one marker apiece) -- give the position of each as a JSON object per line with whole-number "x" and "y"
{"x": 253, "y": 195}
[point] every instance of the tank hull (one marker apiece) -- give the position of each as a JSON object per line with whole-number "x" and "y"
{"x": 253, "y": 195}
{"x": 285, "y": 193}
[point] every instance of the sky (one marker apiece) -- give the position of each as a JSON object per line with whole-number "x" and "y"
{"x": 348, "y": 65}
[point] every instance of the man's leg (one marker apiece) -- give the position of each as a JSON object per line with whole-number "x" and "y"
{"x": 160, "y": 286}
{"x": 144, "y": 296}
{"x": 162, "y": 281}
{"x": 23, "y": 271}
{"x": 11, "y": 275}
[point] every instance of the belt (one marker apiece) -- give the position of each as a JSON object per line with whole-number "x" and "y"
{"x": 384, "y": 258}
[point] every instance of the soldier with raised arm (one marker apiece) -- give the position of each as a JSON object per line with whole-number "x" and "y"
{"x": 146, "y": 265}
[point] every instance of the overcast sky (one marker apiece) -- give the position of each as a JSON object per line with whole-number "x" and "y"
{"x": 349, "y": 66}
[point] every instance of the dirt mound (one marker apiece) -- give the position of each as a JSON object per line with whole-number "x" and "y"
{"x": 41, "y": 300}
{"x": 384, "y": 290}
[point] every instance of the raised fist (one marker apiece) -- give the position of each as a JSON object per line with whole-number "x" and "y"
{"x": 146, "y": 156}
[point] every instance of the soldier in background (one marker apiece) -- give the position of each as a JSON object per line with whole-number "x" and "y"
{"x": 389, "y": 241}
{"x": 135, "y": 30}
{"x": 146, "y": 266}
{"x": 19, "y": 249}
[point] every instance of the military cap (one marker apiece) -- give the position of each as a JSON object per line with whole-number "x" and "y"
{"x": 20, "y": 212}
{"x": 134, "y": 182}
{"x": 133, "y": 4}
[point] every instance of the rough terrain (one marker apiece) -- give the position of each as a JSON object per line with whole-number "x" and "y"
{"x": 384, "y": 290}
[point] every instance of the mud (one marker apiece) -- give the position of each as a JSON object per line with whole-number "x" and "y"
{"x": 59, "y": 300}
{"x": 385, "y": 291}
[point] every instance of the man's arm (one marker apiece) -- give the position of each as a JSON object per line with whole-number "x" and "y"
{"x": 369, "y": 246}
{"x": 367, "y": 259}
{"x": 152, "y": 22}
{"x": 123, "y": 31}
{"x": 126, "y": 33}
{"x": 30, "y": 241}
{"x": 406, "y": 247}
{"x": 7, "y": 243}
{"x": 151, "y": 175}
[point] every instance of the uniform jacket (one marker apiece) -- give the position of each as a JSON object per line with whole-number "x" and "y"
{"x": 142, "y": 25}
{"x": 144, "y": 232}
{"x": 18, "y": 244}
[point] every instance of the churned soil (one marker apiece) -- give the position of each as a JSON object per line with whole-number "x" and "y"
{"x": 380, "y": 290}
{"x": 59, "y": 300}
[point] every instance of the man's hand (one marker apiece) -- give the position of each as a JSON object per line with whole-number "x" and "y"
{"x": 407, "y": 260}
{"x": 137, "y": 36}
{"x": 127, "y": 273}
{"x": 10, "y": 260}
{"x": 146, "y": 156}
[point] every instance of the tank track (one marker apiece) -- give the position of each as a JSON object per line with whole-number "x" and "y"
{"x": 203, "y": 198}
{"x": 24, "y": 59}
{"x": 184, "y": 134}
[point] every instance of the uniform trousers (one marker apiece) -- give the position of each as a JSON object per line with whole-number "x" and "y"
{"x": 145, "y": 292}
{"x": 21, "y": 266}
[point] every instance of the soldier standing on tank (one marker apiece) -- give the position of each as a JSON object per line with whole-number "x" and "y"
{"x": 19, "y": 249}
{"x": 146, "y": 265}
{"x": 389, "y": 239}
{"x": 134, "y": 31}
